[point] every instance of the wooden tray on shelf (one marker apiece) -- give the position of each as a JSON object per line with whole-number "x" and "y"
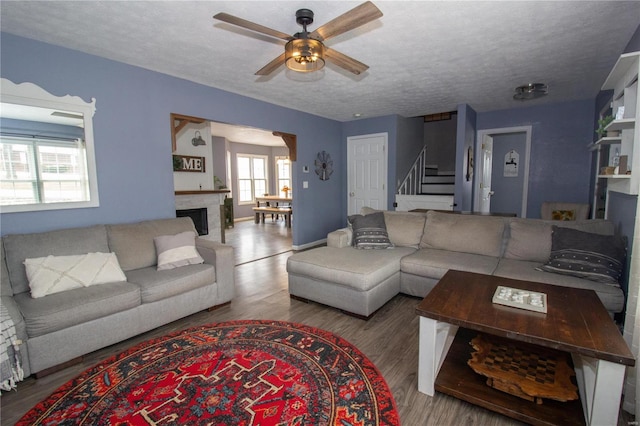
{"x": 526, "y": 371}
{"x": 457, "y": 379}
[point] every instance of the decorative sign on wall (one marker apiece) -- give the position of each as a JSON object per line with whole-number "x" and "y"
{"x": 188, "y": 163}
{"x": 511, "y": 161}
{"x": 324, "y": 165}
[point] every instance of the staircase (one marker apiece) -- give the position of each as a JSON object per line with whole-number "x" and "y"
{"x": 425, "y": 188}
{"x": 437, "y": 183}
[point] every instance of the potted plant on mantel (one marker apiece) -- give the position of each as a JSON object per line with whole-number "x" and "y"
{"x": 602, "y": 124}
{"x": 217, "y": 183}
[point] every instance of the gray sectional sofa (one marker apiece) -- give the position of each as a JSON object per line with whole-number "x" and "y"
{"x": 60, "y": 327}
{"x": 427, "y": 245}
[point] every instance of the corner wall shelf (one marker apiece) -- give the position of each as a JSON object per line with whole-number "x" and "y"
{"x": 607, "y": 140}
{"x": 622, "y": 150}
{"x": 614, "y": 176}
{"x": 622, "y": 124}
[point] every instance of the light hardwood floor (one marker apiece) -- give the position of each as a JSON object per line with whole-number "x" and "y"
{"x": 389, "y": 339}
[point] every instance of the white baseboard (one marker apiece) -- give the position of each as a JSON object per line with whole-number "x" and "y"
{"x": 310, "y": 245}
{"x": 243, "y": 219}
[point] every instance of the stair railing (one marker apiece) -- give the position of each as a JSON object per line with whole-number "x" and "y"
{"x": 412, "y": 183}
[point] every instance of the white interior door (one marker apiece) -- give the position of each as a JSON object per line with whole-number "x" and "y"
{"x": 367, "y": 172}
{"x": 486, "y": 161}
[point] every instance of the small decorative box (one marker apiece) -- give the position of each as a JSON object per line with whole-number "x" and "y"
{"x": 523, "y": 299}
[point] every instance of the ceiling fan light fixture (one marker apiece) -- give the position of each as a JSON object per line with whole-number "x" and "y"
{"x": 531, "y": 91}
{"x": 304, "y": 55}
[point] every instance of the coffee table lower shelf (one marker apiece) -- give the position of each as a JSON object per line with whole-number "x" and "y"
{"x": 457, "y": 379}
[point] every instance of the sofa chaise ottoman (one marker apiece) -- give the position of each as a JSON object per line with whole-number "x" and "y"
{"x": 361, "y": 281}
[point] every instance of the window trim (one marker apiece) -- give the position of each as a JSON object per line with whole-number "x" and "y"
{"x": 278, "y": 178}
{"x": 265, "y": 158}
{"x": 29, "y": 94}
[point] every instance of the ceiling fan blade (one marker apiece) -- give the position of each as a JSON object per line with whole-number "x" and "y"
{"x": 350, "y": 20}
{"x": 344, "y": 61}
{"x": 234, "y": 20}
{"x": 271, "y": 66}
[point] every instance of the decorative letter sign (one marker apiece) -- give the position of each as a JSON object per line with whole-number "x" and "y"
{"x": 188, "y": 163}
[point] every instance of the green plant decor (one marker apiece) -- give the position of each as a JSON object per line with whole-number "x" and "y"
{"x": 217, "y": 182}
{"x": 602, "y": 124}
{"x": 177, "y": 162}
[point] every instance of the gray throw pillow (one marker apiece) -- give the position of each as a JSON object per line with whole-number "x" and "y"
{"x": 370, "y": 231}
{"x": 585, "y": 255}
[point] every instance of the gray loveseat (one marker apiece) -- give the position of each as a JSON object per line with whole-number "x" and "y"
{"x": 427, "y": 245}
{"x": 60, "y": 327}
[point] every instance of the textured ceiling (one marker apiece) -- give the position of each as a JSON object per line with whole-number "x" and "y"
{"x": 424, "y": 56}
{"x": 244, "y": 134}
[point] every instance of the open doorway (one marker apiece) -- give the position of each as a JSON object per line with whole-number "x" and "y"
{"x": 240, "y": 163}
{"x": 258, "y": 166}
{"x": 253, "y": 164}
{"x": 502, "y": 168}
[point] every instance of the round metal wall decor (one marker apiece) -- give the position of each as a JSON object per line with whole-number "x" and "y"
{"x": 324, "y": 165}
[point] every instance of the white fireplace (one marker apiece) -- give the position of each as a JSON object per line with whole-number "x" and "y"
{"x": 213, "y": 201}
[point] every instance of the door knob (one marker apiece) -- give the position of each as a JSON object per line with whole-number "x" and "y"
{"x": 352, "y": 194}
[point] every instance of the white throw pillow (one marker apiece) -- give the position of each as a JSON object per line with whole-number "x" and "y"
{"x": 177, "y": 250}
{"x": 53, "y": 274}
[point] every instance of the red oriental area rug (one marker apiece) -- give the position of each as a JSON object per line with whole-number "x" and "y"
{"x": 233, "y": 373}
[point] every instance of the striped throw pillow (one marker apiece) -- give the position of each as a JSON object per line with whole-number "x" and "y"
{"x": 369, "y": 231}
{"x": 586, "y": 255}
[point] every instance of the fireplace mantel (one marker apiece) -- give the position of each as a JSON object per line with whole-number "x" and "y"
{"x": 219, "y": 191}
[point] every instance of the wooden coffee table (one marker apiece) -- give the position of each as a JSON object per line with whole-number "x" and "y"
{"x": 575, "y": 322}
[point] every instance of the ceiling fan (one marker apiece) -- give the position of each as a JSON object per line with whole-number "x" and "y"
{"x": 305, "y": 51}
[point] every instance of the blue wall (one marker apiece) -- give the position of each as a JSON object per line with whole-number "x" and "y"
{"x": 133, "y": 142}
{"x": 133, "y": 148}
{"x": 409, "y": 144}
{"x": 465, "y": 138}
{"x": 560, "y": 168}
{"x": 440, "y": 140}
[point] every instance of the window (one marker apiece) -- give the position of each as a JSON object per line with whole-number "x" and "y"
{"x": 252, "y": 177}
{"x": 41, "y": 171}
{"x": 283, "y": 175}
{"x": 47, "y": 160}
